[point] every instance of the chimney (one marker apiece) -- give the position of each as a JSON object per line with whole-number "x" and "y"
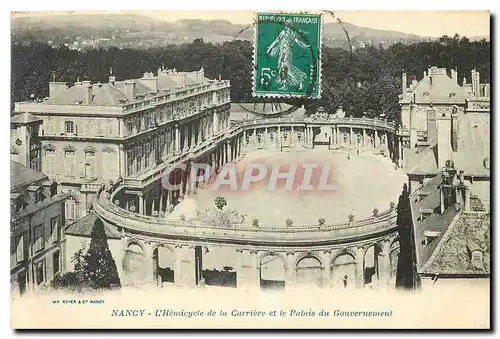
{"x": 431, "y": 124}
{"x": 87, "y": 99}
{"x": 201, "y": 74}
{"x": 454, "y": 75}
{"x": 57, "y": 88}
{"x": 443, "y": 139}
{"x": 487, "y": 90}
{"x": 454, "y": 129}
{"x": 95, "y": 87}
{"x": 473, "y": 81}
{"x": 150, "y": 81}
{"x": 405, "y": 82}
{"x": 477, "y": 92}
{"x": 129, "y": 89}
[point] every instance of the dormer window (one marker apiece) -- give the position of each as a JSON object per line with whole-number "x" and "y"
{"x": 476, "y": 254}
{"x": 426, "y": 94}
{"x": 430, "y": 236}
{"x": 452, "y": 95}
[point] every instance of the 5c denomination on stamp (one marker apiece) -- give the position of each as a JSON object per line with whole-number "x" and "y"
{"x": 287, "y": 51}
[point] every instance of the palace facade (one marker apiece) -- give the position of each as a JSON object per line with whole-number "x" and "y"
{"x": 94, "y": 134}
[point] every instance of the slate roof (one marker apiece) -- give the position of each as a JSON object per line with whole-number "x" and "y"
{"x": 452, "y": 254}
{"x": 423, "y": 162}
{"x": 83, "y": 227}
{"x": 435, "y": 87}
{"x": 448, "y": 253}
{"x": 21, "y": 175}
{"x": 111, "y": 94}
{"x": 24, "y": 118}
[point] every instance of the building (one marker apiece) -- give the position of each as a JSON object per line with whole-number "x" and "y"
{"x": 451, "y": 232}
{"x": 37, "y": 233}
{"x": 96, "y": 133}
{"x": 25, "y": 141}
{"x": 443, "y": 127}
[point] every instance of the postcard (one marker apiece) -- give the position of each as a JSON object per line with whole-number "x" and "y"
{"x": 250, "y": 169}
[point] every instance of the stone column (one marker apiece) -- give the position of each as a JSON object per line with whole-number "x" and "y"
{"x": 265, "y": 137}
{"x": 384, "y": 264}
{"x": 467, "y": 199}
{"x": 364, "y": 137}
{"x": 215, "y": 123}
{"x": 177, "y": 140}
{"x": 151, "y": 264}
{"x": 141, "y": 204}
{"x": 290, "y": 268}
{"x": 178, "y": 265}
{"x": 351, "y": 136}
{"x": 326, "y": 278}
{"x": 255, "y": 136}
{"x": 377, "y": 140}
{"x": 255, "y": 269}
{"x": 240, "y": 277}
{"x": 360, "y": 274}
{"x": 244, "y": 138}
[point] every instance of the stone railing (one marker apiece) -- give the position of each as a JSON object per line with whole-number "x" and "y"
{"x": 237, "y": 128}
{"x": 352, "y": 122}
{"x": 383, "y": 223}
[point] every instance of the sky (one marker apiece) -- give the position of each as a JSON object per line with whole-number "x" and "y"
{"x": 425, "y": 23}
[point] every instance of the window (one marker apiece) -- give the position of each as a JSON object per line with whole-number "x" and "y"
{"x": 130, "y": 127}
{"x": 40, "y": 272}
{"x": 90, "y": 164}
{"x": 146, "y": 155}
{"x": 70, "y": 208}
{"x": 69, "y": 164}
{"x": 139, "y": 124}
{"x": 39, "y": 238}
{"x": 20, "y": 254}
{"x": 130, "y": 162}
{"x": 69, "y": 127}
{"x": 138, "y": 164}
{"x": 54, "y": 229}
{"x": 49, "y": 162}
{"x": 39, "y": 196}
{"x": 56, "y": 262}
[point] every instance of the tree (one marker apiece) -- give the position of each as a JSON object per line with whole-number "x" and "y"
{"x": 406, "y": 276}
{"x": 100, "y": 267}
{"x": 220, "y": 202}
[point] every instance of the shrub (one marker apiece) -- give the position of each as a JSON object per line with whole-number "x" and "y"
{"x": 351, "y": 217}
{"x": 321, "y": 221}
{"x": 220, "y": 202}
{"x": 255, "y": 222}
{"x": 289, "y": 222}
{"x": 375, "y": 212}
{"x": 392, "y": 205}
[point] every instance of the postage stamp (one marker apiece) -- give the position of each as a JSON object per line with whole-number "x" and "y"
{"x": 287, "y": 55}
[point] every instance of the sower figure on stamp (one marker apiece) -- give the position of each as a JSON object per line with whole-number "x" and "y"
{"x": 288, "y": 74}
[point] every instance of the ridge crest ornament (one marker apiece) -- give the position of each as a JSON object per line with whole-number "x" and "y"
{"x": 287, "y": 55}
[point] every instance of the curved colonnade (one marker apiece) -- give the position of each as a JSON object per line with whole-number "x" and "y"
{"x": 346, "y": 255}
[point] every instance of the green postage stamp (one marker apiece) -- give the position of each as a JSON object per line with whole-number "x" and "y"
{"x": 287, "y": 55}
